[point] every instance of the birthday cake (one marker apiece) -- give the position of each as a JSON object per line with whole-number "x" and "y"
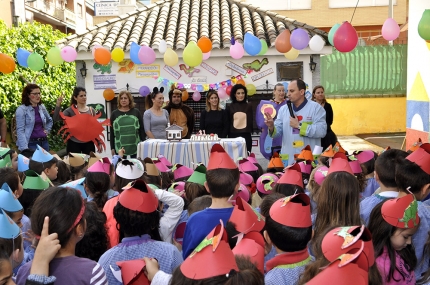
{"x": 202, "y": 136}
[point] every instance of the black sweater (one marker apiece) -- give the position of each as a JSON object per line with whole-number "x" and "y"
{"x": 214, "y": 122}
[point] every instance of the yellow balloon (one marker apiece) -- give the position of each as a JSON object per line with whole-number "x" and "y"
{"x": 170, "y": 57}
{"x": 117, "y": 55}
{"x": 292, "y": 54}
{"x": 251, "y": 89}
{"x": 192, "y": 55}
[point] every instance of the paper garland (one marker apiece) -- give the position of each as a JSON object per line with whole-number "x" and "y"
{"x": 199, "y": 87}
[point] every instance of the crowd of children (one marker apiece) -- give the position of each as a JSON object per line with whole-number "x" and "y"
{"x": 331, "y": 217}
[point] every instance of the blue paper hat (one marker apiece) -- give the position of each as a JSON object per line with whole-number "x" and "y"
{"x": 78, "y": 185}
{"x": 8, "y": 228}
{"x": 5, "y": 160}
{"x": 23, "y": 163}
{"x": 41, "y": 155}
{"x": 8, "y": 201}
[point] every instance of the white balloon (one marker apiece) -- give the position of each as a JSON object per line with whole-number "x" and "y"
{"x": 316, "y": 43}
{"x": 162, "y": 46}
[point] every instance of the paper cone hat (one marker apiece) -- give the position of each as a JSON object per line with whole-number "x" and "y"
{"x": 251, "y": 158}
{"x": 364, "y": 156}
{"x": 129, "y": 169}
{"x": 421, "y": 156}
{"x": 212, "y": 257}
{"x": 8, "y": 228}
{"x": 246, "y": 218}
{"x": 305, "y": 154}
{"x": 35, "y": 181}
{"x": 245, "y": 165}
{"x": 320, "y": 174}
{"x": 138, "y": 196}
{"x": 93, "y": 158}
{"x": 178, "y": 188}
{"x": 245, "y": 178}
{"x": 305, "y": 166}
{"x": 8, "y": 201}
{"x": 23, "y": 163}
{"x": 416, "y": 145}
{"x": 354, "y": 164}
{"x": 179, "y": 233}
{"x": 5, "y": 160}
{"x": 102, "y": 165}
{"x": 340, "y": 163}
{"x": 160, "y": 165}
{"x": 328, "y": 152}
{"x": 242, "y": 192}
{"x": 76, "y": 159}
{"x": 181, "y": 171}
{"x": 132, "y": 272}
{"x": 293, "y": 211}
{"x": 338, "y": 148}
{"x": 199, "y": 175}
{"x": 275, "y": 161}
{"x": 150, "y": 167}
{"x": 41, "y": 155}
{"x": 252, "y": 246}
{"x": 220, "y": 159}
{"x": 401, "y": 212}
{"x": 164, "y": 160}
{"x": 266, "y": 182}
{"x": 317, "y": 151}
{"x": 292, "y": 175}
{"x": 78, "y": 185}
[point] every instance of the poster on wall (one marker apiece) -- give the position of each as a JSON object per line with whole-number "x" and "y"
{"x": 99, "y": 107}
{"x": 102, "y": 82}
{"x": 149, "y": 70}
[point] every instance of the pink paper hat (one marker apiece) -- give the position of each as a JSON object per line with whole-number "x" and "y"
{"x": 305, "y": 166}
{"x": 8, "y": 200}
{"x": 181, "y": 171}
{"x": 178, "y": 188}
{"x": 320, "y": 174}
{"x": 293, "y": 211}
{"x": 242, "y": 192}
{"x": 164, "y": 160}
{"x": 138, "y": 196}
{"x": 340, "y": 163}
{"x": 245, "y": 178}
{"x": 364, "y": 156}
{"x": 354, "y": 164}
{"x": 160, "y": 165}
{"x": 252, "y": 245}
{"x": 401, "y": 212}
{"x": 246, "y": 218}
{"x": 219, "y": 159}
{"x": 252, "y": 158}
{"x": 41, "y": 155}
{"x": 245, "y": 165}
{"x": 292, "y": 175}
{"x": 102, "y": 165}
{"x": 132, "y": 272}
{"x": 421, "y": 156}
{"x": 23, "y": 163}
{"x": 266, "y": 182}
{"x": 129, "y": 169}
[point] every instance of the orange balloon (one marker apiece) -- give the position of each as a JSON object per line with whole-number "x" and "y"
{"x": 241, "y": 81}
{"x": 7, "y": 64}
{"x": 102, "y": 56}
{"x": 282, "y": 42}
{"x": 204, "y": 44}
{"x": 185, "y": 95}
{"x": 108, "y": 94}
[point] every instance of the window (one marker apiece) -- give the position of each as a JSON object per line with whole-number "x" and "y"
{"x": 287, "y": 71}
{"x": 282, "y": 5}
{"x": 79, "y": 10}
{"x": 361, "y": 3}
{"x": 145, "y": 2}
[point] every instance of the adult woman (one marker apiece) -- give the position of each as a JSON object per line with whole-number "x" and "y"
{"x": 214, "y": 120}
{"x": 240, "y": 115}
{"x": 319, "y": 97}
{"x": 126, "y": 126}
{"x": 78, "y": 105}
{"x": 155, "y": 118}
{"x": 278, "y": 93}
{"x": 33, "y": 122}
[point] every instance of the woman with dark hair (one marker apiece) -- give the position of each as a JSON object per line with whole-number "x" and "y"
{"x": 214, "y": 120}
{"x": 240, "y": 115}
{"x": 319, "y": 97}
{"x": 155, "y": 117}
{"x": 33, "y": 122}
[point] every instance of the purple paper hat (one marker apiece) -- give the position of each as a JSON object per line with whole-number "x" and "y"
{"x": 242, "y": 192}
{"x": 164, "y": 160}
{"x": 305, "y": 166}
{"x": 245, "y": 178}
{"x": 8, "y": 200}
{"x": 102, "y": 165}
{"x": 266, "y": 182}
{"x": 364, "y": 156}
{"x": 178, "y": 188}
{"x": 181, "y": 171}
{"x": 251, "y": 158}
{"x": 41, "y": 155}
{"x": 23, "y": 163}
{"x": 320, "y": 174}
{"x": 245, "y": 165}
{"x": 160, "y": 165}
{"x": 354, "y": 164}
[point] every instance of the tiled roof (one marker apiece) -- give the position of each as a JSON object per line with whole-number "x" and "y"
{"x": 181, "y": 21}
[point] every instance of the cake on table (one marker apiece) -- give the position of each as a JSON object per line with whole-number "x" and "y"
{"x": 202, "y": 136}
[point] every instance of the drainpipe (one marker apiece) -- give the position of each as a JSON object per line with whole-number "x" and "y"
{"x": 390, "y": 15}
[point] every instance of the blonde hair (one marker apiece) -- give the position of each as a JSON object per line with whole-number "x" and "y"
{"x": 131, "y": 103}
{"x": 208, "y": 96}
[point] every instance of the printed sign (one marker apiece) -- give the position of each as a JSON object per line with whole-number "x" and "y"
{"x": 104, "y": 81}
{"x": 235, "y": 67}
{"x": 106, "y": 8}
{"x": 199, "y": 79}
{"x": 172, "y": 72}
{"x": 209, "y": 68}
{"x": 262, "y": 74}
{"x": 148, "y": 70}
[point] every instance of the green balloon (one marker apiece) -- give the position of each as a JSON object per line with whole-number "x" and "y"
{"x": 54, "y": 56}
{"x": 424, "y": 26}
{"x": 263, "y": 47}
{"x": 332, "y": 32}
{"x": 35, "y": 62}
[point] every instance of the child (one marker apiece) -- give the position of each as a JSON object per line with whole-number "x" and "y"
{"x": 393, "y": 223}
{"x": 265, "y": 184}
{"x": 5, "y": 269}
{"x": 291, "y": 181}
{"x": 33, "y": 186}
{"x": 8, "y": 158}
{"x": 367, "y": 160}
{"x": 316, "y": 179}
{"x": 98, "y": 181}
{"x": 222, "y": 181}
{"x": 11, "y": 240}
{"x": 63, "y": 175}
{"x": 199, "y": 204}
{"x": 78, "y": 163}
{"x": 194, "y": 187}
{"x": 181, "y": 172}
{"x": 43, "y": 161}
{"x": 288, "y": 229}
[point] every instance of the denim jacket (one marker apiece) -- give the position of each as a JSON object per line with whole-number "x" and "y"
{"x": 25, "y": 123}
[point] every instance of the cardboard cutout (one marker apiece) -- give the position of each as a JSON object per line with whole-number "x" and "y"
{"x": 93, "y": 158}
{"x": 364, "y": 156}
{"x": 246, "y": 218}
{"x": 150, "y": 167}
{"x": 132, "y": 272}
{"x": 305, "y": 166}
{"x": 76, "y": 159}
{"x": 138, "y": 196}
{"x": 164, "y": 160}
{"x": 242, "y": 192}
{"x": 252, "y": 245}
{"x": 293, "y": 211}
{"x": 160, "y": 165}
{"x": 35, "y": 181}
{"x": 416, "y": 145}
{"x": 320, "y": 174}
{"x": 5, "y": 160}
{"x": 245, "y": 178}
{"x": 245, "y": 165}
{"x": 178, "y": 188}
{"x": 275, "y": 161}
{"x": 252, "y": 158}
{"x": 354, "y": 164}
{"x": 305, "y": 154}
{"x": 78, "y": 185}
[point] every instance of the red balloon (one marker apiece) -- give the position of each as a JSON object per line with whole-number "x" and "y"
{"x": 228, "y": 89}
{"x": 345, "y": 39}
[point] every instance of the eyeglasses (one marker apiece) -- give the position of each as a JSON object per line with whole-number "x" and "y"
{"x": 35, "y": 94}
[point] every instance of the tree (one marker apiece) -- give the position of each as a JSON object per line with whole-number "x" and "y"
{"x": 53, "y": 80}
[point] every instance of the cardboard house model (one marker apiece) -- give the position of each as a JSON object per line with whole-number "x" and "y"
{"x": 174, "y": 132}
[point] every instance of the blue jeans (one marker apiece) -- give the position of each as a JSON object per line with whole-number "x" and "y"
{"x": 33, "y": 145}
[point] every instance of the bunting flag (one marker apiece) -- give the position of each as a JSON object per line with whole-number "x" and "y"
{"x": 200, "y": 87}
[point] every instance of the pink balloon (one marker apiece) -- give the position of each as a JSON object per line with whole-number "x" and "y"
{"x": 345, "y": 39}
{"x": 146, "y": 55}
{"x": 206, "y": 55}
{"x": 68, "y": 53}
{"x": 222, "y": 93}
{"x": 237, "y": 51}
{"x": 197, "y": 96}
{"x": 390, "y": 30}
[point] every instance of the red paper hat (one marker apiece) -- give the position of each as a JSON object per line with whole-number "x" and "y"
{"x": 421, "y": 156}
{"x": 320, "y": 174}
{"x": 275, "y": 161}
{"x": 132, "y": 272}
{"x": 328, "y": 152}
{"x": 266, "y": 182}
{"x": 416, "y": 145}
{"x": 354, "y": 164}
{"x": 242, "y": 192}
{"x": 133, "y": 198}
{"x": 160, "y": 165}
{"x": 220, "y": 159}
{"x": 164, "y": 160}
{"x": 292, "y": 175}
{"x": 102, "y": 165}
{"x": 179, "y": 233}
{"x": 181, "y": 171}
{"x": 252, "y": 158}
{"x": 401, "y": 212}
{"x": 212, "y": 257}
{"x": 291, "y": 212}
{"x": 252, "y": 245}
{"x": 340, "y": 163}
{"x": 246, "y": 218}
{"x": 338, "y": 148}
{"x": 305, "y": 154}
{"x": 245, "y": 165}
{"x": 150, "y": 167}
{"x": 245, "y": 178}
{"x": 364, "y": 156}
{"x": 305, "y": 166}
{"x": 344, "y": 239}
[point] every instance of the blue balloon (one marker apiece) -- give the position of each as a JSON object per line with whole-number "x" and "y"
{"x": 134, "y": 51}
{"x": 285, "y": 86}
{"x": 252, "y": 44}
{"x": 22, "y": 56}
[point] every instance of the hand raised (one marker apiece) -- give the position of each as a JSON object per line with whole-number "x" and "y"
{"x": 268, "y": 120}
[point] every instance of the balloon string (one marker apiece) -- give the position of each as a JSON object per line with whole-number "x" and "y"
{"x": 354, "y": 12}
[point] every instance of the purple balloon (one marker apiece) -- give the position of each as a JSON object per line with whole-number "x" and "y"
{"x": 144, "y": 91}
{"x": 299, "y": 39}
{"x": 197, "y": 96}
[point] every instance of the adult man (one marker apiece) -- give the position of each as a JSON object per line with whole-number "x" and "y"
{"x": 3, "y": 130}
{"x": 180, "y": 114}
{"x": 307, "y": 127}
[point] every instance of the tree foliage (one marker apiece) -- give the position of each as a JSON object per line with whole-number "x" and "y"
{"x": 53, "y": 80}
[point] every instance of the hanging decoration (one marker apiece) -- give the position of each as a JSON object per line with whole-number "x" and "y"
{"x": 22, "y": 56}
{"x": 346, "y": 38}
{"x": 264, "y": 47}
{"x": 316, "y": 43}
{"x": 197, "y": 96}
{"x": 134, "y": 53}
{"x": 251, "y": 44}
{"x": 282, "y": 42}
{"x": 299, "y": 39}
{"x": 256, "y": 65}
{"x": 332, "y": 32}
{"x": 390, "y": 30}
{"x": 69, "y": 54}
{"x": 292, "y": 54}
{"x": 192, "y": 54}
{"x": 236, "y": 50}
{"x": 424, "y": 25}
{"x": 53, "y": 57}
{"x": 7, "y": 64}
{"x": 101, "y": 55}
{"x": 146, "y": 55}
{"x": 171, "y": 57}
{"x": 162, "y": 46}
{"x": 35, "y": 62}
{"x": 118, "y": 54}
{"x": 205, "y": 44}
{"x": 108, "y": 94}
{"x": 144, "y": 91}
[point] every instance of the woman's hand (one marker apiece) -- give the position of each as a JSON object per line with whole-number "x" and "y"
{"x": 60, "y": 100}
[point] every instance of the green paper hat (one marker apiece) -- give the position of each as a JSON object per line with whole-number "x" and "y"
{"x": 199, "y": 175}
{"x": 5, "y": 160}
{"x": 9, "y": 230}
{"x": 35, "y": 181}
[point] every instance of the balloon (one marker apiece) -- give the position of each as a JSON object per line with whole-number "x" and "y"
{"x": 93, "y": 49}
{"x": 282, "y": 42}
{"x": 332, "y": 32}
{"x": 117, "y": 54}
{"x": 54, "y": 56}
{"x": 222, "y": 94}
{"x": 424, "y": 26}
{"x": 35, "y": 62}
{"x": 251, "y": 44}
{"x": 102, "y": 56}
{"x": 228, "y": 89}
{"x": 7, "y": 64}
{"x": 185, "y": 95}
{"x": 68, "y": 53}
{"x": 170, "y": 57}
{"x": 264, "y": 47}
{"x": 390, "y": 30}
{"x": 108, "y": 94}
{"x": 251, "y": 89}
{"x": 146, "y": 55}
{"x": 144, "y": 91}
{"x": 162, "y": 46}
{"x": 292, "y": 54}
{"x": 345, "y": 39}
{"x": 206, "y": 55}
{"x": 197, "y": 96}
{"x": 241, "y": 81}
{"x": 316, "y": 43}
{"x": 204, "y": 44}
{"x": 299, "y": 39}
{"x": 236, "y": 50}
{"x": 134, "y": 53}
{"x": 285, "y": 86}
{"x": 192, "y": 55}
{"x": 22, "y": 56}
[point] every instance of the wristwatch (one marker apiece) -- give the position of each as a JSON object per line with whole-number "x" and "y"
{"x": 300, "y": 125}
